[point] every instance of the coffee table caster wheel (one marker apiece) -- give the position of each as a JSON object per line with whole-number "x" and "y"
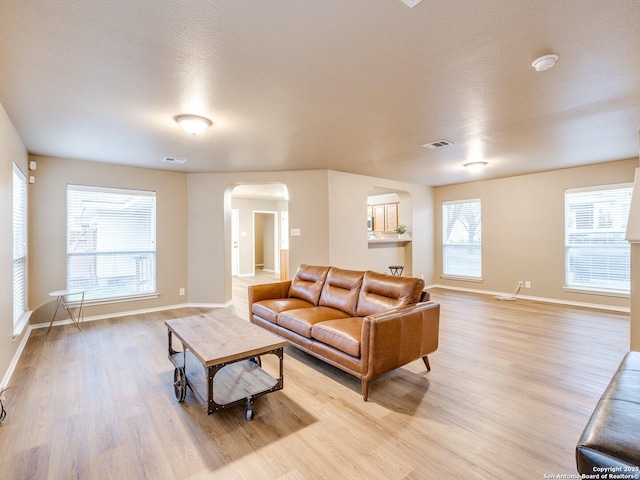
{"x": 180, "y": 384}
{"x": 249, "y": 408}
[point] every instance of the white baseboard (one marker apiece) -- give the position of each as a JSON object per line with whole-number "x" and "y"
{"x": 16, "y": 357}
{"x": 557, "y": 301}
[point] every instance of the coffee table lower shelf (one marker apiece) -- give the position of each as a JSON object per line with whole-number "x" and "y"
{"x": 224, "y": 385}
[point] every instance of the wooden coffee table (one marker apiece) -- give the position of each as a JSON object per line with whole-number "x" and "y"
{"x": 220, "y": 360}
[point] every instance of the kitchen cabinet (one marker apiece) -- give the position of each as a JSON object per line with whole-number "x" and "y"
{"x": 384, "y": 216}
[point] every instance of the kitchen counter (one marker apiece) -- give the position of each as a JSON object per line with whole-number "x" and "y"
{"x": 389, "y": 241}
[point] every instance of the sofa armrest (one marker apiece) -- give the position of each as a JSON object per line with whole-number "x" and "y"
{"x": 394, "y": 338}
{"x": 267, "y": 291}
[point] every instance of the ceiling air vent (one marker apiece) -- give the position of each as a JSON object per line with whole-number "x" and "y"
{"x": 177, "y": 161}
{"x": 438, "y": 144}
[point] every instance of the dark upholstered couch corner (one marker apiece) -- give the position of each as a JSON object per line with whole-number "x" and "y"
{"x": 610, "y": 442}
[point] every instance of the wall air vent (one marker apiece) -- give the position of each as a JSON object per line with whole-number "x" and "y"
{"x": 177, "y": 161}
{"x": 438, "y": 144}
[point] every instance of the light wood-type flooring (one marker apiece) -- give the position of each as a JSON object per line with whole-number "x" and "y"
{"x": 511, "y": 388}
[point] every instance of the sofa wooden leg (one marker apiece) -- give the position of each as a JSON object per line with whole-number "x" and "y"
{"x": 365, "y": 390}
{"x": 425, "y": 359}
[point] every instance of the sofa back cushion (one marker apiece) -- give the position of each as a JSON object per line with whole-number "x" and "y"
{"x": 341, "y": 290}
{"x": 382, "y": 292}
{"x": 308, "y": 282}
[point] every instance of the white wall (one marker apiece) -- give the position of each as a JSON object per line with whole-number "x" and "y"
{"x": 209, "y": 205}
{"x": 523, "y": 229}
{"x": 348, "y": 228}
{"x": 329, "y": 209}
{"x": 12, "y": 150}
{"x": 48, "y": 235}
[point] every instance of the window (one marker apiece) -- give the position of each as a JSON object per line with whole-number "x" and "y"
{"x": 597, "y": 256}
{"x": 111, "y": 242}
{"x": 462, "y": 239}
{"x": 19, "y": 246}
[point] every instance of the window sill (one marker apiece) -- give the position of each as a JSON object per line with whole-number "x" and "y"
{"x": 23, "y": 321}
{"x": 604, "y": 293}
{"x": 107, "y": 301}
{"x": 462, "y": 278}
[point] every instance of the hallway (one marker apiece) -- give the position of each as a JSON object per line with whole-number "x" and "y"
{"x": 240, "y": 304}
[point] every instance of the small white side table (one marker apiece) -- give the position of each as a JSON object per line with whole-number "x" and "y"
{"x": 62, "y": 297}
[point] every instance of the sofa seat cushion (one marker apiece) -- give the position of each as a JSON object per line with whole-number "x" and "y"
{"x": 343, "y": 334}
{"x": 269, "y": 309}
{"x": 302, "y": 320}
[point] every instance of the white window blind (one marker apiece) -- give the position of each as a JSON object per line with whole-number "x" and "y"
{"x": 111, "y": 242}
{"x": 462, "y": 239}
{"x": 597, "y": 256}
{"x": 19, "y": 244}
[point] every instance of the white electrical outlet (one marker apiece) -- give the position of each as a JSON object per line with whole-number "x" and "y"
{"x": 182, "y": 291}
{"x": 520, "y": 283}
{"x": 527, "y": 284}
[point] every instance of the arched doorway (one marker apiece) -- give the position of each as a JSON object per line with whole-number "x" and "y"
{"x": 256, "y": 235}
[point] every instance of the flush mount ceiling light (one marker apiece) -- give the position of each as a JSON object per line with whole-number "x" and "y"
{"x": 193, "y": 124}
{"x": 475, "y": 166}
{"x": 544, "y": 62}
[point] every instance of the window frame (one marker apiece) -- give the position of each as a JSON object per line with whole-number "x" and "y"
{"x": 616, "y": 248}
{"x": 20, "y": 293}
{"x": 92, "y": 295}
{"x": 446, "y": 244}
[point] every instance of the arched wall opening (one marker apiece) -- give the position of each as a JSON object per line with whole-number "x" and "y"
{"x": 388, "y": 209}
{"x": 256, "y": 233}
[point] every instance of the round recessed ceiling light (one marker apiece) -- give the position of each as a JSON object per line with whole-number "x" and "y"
{"x": 544, "y": 62}
{"x": 193, "y": 124}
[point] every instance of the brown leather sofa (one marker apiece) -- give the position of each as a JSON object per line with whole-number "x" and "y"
{"x": 365, "y": 323}
{"x": 610, "y": 443}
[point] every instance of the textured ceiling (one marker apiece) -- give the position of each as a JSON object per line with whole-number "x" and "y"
{"x": 356, "y": 86}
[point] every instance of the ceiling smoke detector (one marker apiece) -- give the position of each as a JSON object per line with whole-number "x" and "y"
{"x": 438, "y": 144}
{"x": 177, "y": 161}
{"x": 544, "y": 62}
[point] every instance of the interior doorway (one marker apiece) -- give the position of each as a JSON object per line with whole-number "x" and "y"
{"x": 257, "y": 235}
{"x": 266, "y": 255}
